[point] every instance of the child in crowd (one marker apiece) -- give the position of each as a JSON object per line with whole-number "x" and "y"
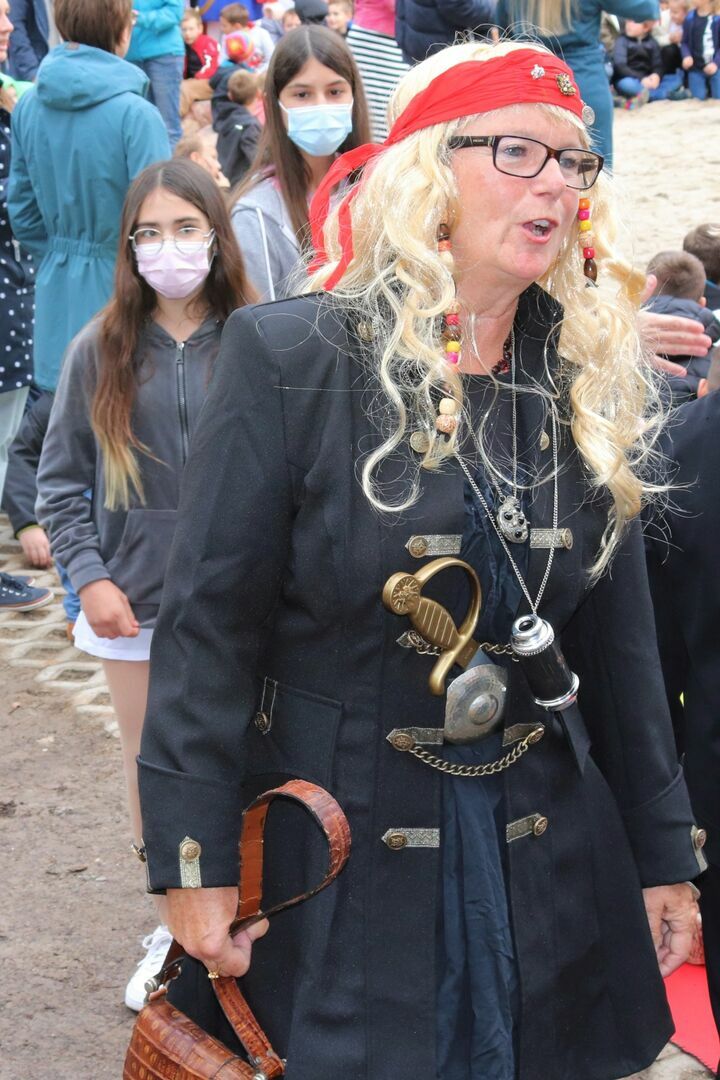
{"x": 235, "y": 18}
{"x": 700, "y": 49}
{"x": 272, "y": 20}
{"x": 202, "y": 56}
{"x": 133, "y": 383}
{"x": 637, "y": 64}
{"x": 315, "y": 108}
{"x": 238, "y": 130}
{"x": 290, "y": 20}
{"x": 704, "y": 243}
{"x": 201, "y": 149}
{"x": 668, "y": 34}
{"x": 679, "y": 289}
{"x": 339, "y": 16}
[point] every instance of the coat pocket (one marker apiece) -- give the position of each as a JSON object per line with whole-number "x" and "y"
{"x": 138, "y": 566}
{"x": 293, "y": 732}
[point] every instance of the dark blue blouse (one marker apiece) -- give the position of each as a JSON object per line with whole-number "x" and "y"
{"x": 477, "y": 977}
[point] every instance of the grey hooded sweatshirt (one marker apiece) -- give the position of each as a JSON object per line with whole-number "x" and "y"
{"x": 128, "y": 546}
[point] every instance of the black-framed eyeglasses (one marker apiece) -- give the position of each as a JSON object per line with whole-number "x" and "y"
{"x": 516, "y": 155}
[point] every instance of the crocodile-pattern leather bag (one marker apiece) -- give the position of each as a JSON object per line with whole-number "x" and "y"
{"x": 165, "y": 1044}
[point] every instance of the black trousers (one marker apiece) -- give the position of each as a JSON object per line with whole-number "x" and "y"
{"x": 709, "y": 885}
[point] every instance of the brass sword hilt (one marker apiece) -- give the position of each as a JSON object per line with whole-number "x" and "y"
{"x": 402, "y": 595}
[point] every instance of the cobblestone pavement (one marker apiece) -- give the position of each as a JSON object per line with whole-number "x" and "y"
{"x": 37, "y": 642}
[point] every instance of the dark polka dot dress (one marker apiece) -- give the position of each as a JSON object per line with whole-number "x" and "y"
{"x": 17, "y": 289}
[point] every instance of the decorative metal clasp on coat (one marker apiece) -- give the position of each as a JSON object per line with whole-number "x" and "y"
{"x": 403, "y": 596}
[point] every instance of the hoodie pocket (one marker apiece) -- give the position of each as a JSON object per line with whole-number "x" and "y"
{"x": 138, "y": 566}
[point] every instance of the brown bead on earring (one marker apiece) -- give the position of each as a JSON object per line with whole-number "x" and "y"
{"x": 586, "y": 242}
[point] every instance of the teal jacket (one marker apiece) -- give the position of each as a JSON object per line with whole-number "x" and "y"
{"x": 80, "y": 136}
{"x": 157, "y": 30}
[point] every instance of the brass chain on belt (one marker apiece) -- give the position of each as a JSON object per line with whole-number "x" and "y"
{"x": 489, "y": 769}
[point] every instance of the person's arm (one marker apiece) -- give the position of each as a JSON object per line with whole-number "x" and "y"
{"x": 164, "y": 16}
{"x": 20, "y": 491}
{"x": 145, "y": 137}
{"x": 221, "y": 589}
{"x": 620, "y": 64}
{"x": 637, "y": 10}
{"x": 260, "y": 240}
{"x": 67, "y": 467}
{"x": 686, "y": 43}
{"x": 467, "y": 14}
{"x": 716, "y": 37}
{"x": 612, "y": 646}
{"x": 657, "y": 64}
{"x": 23, "y": 60}
{"x": 26, "y": 220}
{"x": 242, "y": 150}
{"x": 210, "y": 57}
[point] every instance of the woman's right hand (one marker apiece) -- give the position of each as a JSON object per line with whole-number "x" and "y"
{"x": 687, "y": 62}
{"x": 200, "y": 920}
{"x": 108, "y": 610}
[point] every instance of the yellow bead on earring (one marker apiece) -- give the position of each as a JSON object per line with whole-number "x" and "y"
{"x": 586, "y": 241}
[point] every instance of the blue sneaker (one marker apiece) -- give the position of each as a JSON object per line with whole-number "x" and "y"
{"x": 15, "y": 595}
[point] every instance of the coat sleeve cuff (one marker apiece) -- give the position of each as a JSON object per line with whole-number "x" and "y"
{"x": 191, "y": 829}
{"x": 83, "y": 571}
{"x": 666, "y": 842}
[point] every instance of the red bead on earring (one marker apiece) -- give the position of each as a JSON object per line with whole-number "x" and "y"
{"x": 586, "y": 242}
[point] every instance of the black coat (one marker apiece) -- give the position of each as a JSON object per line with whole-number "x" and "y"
{"x": 682, "y": 559}
{"x": 423, "y": 27}
{"x": 238, "y": 134}
{"x": 276, "y": 571}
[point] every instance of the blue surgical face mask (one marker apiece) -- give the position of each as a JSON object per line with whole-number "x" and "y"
{"x": 319, "y": 129}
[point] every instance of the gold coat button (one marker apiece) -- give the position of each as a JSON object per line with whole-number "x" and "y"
{"x": 262, "y": 722}
{"x": 402, "y": 741}
{"x": 540, "y": 826}
{"x": 699, "y": 838}
{"x": 544, "y": 440}
{"x": 190, "y": 850}
{"x": 396, "y": 841}
{"x": 418, "y": 546}
{"x": 365, "y": 331}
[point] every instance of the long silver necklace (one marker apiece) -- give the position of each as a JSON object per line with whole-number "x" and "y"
{"x": 495, "y": 523}
{"x": 510, "y": 519}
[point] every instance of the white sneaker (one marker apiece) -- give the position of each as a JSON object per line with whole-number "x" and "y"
{"x": 156, "y": 946}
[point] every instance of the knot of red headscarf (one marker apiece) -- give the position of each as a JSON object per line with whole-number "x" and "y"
{"x": 519, "y": 77}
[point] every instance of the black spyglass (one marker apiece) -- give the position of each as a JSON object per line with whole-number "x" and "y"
{"x": 516, "y": 155}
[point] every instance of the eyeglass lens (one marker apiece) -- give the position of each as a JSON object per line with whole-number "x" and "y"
{"x": 185, "y": 240}
{"x": 525, "y": 157}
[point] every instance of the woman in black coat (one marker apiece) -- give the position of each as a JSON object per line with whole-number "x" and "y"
{"x": 489, "y": 925}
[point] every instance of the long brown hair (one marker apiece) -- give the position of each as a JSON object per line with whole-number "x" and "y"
{"x": 133, "y": 302}
{"x": 276, "y": 152}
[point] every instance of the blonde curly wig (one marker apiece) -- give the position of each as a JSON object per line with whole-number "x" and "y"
{"x": 603, "y": 387}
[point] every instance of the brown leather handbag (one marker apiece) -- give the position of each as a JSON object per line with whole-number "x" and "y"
{"x": 165, "y": 1044}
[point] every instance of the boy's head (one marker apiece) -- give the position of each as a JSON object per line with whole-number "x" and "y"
{"x": 233, "y": 17}
{"x": 638, "y": 29}
{"x": 340, "y": 13}
{"x": 290, "y": 20}
{"x": 200, "y": 149}
{"x": 704, "y": 243}
{"x": 242, "y": 87}
{"x": 678, "y": 10}
{"x": 191, "y": 25}
{"x": 678, "y": 274}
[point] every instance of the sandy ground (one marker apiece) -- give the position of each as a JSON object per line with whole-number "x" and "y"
{"x": 73, "y": 907}
{"x": 667, "y": 168}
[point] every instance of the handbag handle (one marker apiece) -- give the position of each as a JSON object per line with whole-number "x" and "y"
{"x": 327, "y": 814}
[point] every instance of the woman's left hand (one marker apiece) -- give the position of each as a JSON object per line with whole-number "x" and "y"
{"x": 672, "y": 913}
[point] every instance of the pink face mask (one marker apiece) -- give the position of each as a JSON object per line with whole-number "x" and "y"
{"x": 174, "y": 274}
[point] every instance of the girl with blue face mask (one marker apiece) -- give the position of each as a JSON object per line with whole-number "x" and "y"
{"x": 315, "y": 108}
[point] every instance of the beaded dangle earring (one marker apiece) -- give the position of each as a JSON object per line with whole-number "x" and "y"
{"x": 446, "y": 421}
{"x": 586, "y": 242}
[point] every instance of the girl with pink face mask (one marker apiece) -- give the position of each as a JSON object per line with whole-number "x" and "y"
{"x": 132, "y": 385}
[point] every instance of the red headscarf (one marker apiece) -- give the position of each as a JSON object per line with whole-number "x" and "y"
{"x": 519, "y": 77}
